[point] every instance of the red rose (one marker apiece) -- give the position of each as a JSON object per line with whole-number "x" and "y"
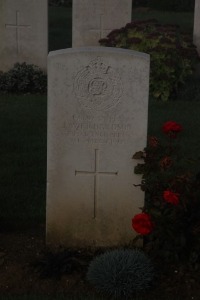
{"x": 171, "y": 197}
{"x": 171, "y": 128}
{"x": 142, "y": 223}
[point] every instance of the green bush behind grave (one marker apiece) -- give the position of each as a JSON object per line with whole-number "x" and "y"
{"x": 23, "y": 78}
{"x": 173, "y": 55}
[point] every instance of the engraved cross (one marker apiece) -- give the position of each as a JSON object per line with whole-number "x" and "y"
{"x": 101, "y": 30}
{"x": 96, "y": 173}
{"x": 17, "y": 26}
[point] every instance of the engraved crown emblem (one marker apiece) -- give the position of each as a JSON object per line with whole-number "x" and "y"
{"x": 97, "y": 66}
{"x": 98, "y": 86}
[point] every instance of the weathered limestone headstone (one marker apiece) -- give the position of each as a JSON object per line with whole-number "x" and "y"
{"x": 23, "y": 33}
{"x": 196, "y": 34}
{"x": 94, "y": 19}
{"x": 97, "y": 120}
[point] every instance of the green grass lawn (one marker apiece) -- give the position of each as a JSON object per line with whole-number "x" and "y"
{"x": 185, "y": 19}
{"x": 22, "y": 159}
{"x": 60, "y": 24}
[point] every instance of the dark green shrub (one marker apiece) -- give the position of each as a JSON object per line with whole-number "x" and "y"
{"x": 172, "y": 5}
{"x": 170, "y": 218}
{"x": 23, "y": 78}
{"x": 173, "y": 55}
{"x": 120, "y": 273}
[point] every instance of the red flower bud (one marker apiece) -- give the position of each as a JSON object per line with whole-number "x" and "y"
{"x": 142, "y": 223}
{"x": 171, "y": 128}
{"x": 171, "y": 197}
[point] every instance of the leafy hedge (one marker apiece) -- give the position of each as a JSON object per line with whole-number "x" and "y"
{"x": 23, "y": 78}
{"x": 173, "y": 55}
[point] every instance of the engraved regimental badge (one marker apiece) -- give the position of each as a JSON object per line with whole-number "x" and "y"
{"x": 98, "y": 86}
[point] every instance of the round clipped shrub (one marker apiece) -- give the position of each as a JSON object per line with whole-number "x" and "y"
{"x": 120, "y": 273}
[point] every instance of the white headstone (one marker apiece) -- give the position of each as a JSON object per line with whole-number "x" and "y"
{"x": 97, "y": 120}
{"x": 196, "y": 34}
{"x": 94, "y": 19}
{"x": 23, "y": 33}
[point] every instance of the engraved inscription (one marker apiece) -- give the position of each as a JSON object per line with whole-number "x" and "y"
{"x": 111, "y": 132}
{"x": 17, "y": 26}
{"x": 96, "y": 173}
{"x": 90, "y": 133}
{"x": 98, "y": 86}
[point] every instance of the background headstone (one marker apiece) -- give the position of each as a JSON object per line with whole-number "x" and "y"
{"x": 23, "y": 33}
{"x": 97, "y": 120}
{"x": 94, "y": 19}
{"x": 196, "y": 34}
